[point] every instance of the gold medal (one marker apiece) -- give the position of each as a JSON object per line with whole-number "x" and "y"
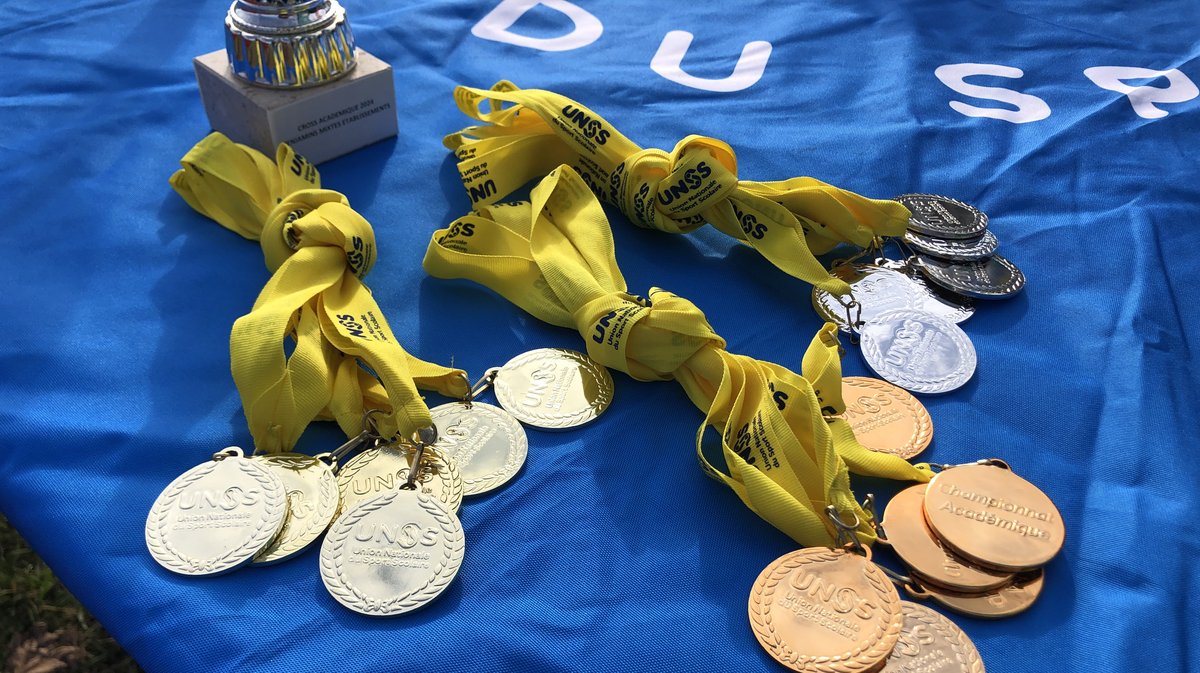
{"x": 820, "y": 610}
{"x": 909, "y": 536}
{"x": 216, "y": 516}
{"x": 989, "y": 515}
{"x": 1006, "y": 601}
{"x": 486, "y": 444}
{"x": 553, "y": 388}
{"x": 930, "y": 643}
{"x": 392, "y": 554}
{"x": 886, "y": 418}
{"x": 312, "y": 500}
{"x": 385, "y": 468}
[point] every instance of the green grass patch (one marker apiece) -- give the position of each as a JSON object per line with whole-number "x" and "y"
{"x": 43, "y": 629}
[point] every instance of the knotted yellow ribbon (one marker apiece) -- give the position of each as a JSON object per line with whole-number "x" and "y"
{"x": 555, "y": 259}
{"x": 318, "y": 250}
{"x": 788, "y": 222}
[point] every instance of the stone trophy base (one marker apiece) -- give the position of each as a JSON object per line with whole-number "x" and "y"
{"x": 320, "y": 123}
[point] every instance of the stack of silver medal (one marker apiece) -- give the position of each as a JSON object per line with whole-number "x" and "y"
{"x": 906, "y": 313}
{"x": 393, "y": 541}
{"x": 954, "y": 249}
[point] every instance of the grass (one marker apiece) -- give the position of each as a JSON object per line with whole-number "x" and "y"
{"x": 43, "y": 629}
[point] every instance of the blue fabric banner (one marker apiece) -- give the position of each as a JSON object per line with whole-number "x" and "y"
{"x": 1074, "y": 125}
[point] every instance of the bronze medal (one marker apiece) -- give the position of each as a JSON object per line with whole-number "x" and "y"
{"x": 909, "y": 536}
{"x": 930, "y": 643}
{"x": 886, "y": 418}
{"x": 821, "y": 610}
{"x": 996, "y": 604}
{"x": 992, "y": 517}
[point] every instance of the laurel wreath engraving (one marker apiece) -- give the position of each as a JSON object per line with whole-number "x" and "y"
{"x": 291, "y": 541}
{"x": 341, "y": 588}
{"x": 969, "y": 282}
{"x": 598, "y": 373}
{"x": 965, "y": 654}
{"x": 859, "y": 659}
{"x": 517, "y": 442}
{"x": 446, "y": 470}
{"x": 874, "y": 356}
{"x": 955, "y": 250}
{"x": 979, "y": 223}
{"x": 924, "y": 432}
{"x": 158, "y": 536}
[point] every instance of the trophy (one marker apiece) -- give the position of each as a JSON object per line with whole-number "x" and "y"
{"x": 291, "y": 72}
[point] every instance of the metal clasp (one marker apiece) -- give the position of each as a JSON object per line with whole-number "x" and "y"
{"x": 422, "y": 439}
{"x": 847, "y": 532}
{"x": 853, "y": 314}
{"x": 369, "y": 433}
{"x": 480, "y": 387}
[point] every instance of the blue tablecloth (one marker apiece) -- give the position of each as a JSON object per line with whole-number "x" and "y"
{"x": 612, "y": 551}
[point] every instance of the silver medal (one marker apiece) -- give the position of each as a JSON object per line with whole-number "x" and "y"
{"x": 993, "y": 278}
{"x": 953, "y": 301}
{"x": 942, "y": 216}
{"x": 553, "y": 388}
{"x": 385, "y": 468}
{"x": 216, "y": 516}
{"x": 487, "y": 444}
{"x": 392, "y": 554}
{"x": 961, "y": 250}
{"x": 879, "y": 290}
{"x": 918, "y": 352}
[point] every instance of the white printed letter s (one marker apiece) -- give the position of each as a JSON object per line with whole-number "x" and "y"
{"x": 1029, "y": 108}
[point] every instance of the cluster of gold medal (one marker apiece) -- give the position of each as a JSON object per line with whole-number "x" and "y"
{"x": 389, "y": 515}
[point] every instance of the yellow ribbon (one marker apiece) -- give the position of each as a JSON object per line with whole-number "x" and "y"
{"x": 555, "y": 258}
{"x": 788, "y": 222}
{"x": 318, "y": 250}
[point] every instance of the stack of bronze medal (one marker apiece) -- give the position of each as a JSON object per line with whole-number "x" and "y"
{"x": 974, "y": 540}
{"x": 943, "y": 531}
{"x": 907, "y": 312}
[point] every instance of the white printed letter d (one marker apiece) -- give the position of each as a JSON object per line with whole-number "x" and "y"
{"x": 495, "y": 26}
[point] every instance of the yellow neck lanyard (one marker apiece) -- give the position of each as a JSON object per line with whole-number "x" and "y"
{"x": 318, "y": 250}
{"x": 788, "y": 222}
{"x": 786, "y": 460}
